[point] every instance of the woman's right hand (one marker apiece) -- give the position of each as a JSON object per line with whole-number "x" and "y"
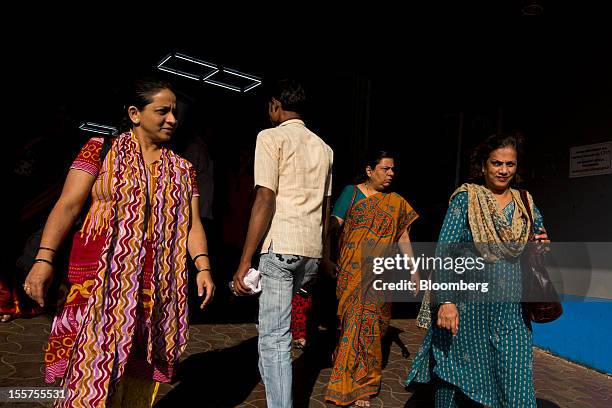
{"x": 205, "y": 286}
{"x": 448, "y": 317}
{"x": 543, "y": 243}
{"x": 38, "y": 281}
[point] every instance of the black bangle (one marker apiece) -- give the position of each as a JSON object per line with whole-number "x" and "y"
{"x": 39, "y": 260}
{"x": 199, "y": 255}
{"x": 47, "y": 249}
{"x": 203, "y": 269}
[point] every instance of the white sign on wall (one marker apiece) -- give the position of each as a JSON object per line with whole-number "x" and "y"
{"x": 591, "y": 160}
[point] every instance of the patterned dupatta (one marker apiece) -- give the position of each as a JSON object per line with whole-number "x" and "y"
{"x": 104, "y": 340}
{"x": 494, "y": 236}
{"x": 371, "y": 225}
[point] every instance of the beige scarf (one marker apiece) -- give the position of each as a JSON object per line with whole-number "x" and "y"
{"x": 494, "y": 236}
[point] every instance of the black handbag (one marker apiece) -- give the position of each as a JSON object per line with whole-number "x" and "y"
{"x": 543, "y": 303}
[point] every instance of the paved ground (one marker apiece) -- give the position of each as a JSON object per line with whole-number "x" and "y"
{"x": 220, "y": 369}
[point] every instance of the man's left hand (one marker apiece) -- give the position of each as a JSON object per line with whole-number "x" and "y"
{"x": 241, "y": 272}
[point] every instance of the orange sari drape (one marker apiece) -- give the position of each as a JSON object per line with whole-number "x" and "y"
{"x": 370, "y": 224}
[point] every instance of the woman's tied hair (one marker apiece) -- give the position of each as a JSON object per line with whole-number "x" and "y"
{"x": 140, "y": 94}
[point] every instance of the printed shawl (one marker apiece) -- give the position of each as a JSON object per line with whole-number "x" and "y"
{"x": 494, "y": 236}
{"x": 105, "y": 337}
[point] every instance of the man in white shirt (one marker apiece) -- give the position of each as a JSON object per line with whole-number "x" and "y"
{"x": 293, "y": 186}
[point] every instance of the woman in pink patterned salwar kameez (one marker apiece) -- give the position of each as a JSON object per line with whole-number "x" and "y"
{"x": 124, "y": 324}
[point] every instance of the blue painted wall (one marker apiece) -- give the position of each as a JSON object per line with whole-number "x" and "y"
{"x": 583, "y": 333}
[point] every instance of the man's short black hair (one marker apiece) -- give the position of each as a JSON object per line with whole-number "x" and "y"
{"x": 289, "y": 93}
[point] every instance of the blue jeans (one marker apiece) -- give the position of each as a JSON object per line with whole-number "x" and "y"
{"x": 278, "y": 273}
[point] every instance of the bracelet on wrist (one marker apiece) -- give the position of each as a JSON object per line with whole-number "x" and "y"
{"x": 41, "y": 260}
{"x": 199, "y": 255}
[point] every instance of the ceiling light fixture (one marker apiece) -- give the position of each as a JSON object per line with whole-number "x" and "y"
{"x": 213, "y": 74}
{"x": 98, "y": 128}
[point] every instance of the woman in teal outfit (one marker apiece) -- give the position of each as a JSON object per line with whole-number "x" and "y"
{"x": 478, "y": 348}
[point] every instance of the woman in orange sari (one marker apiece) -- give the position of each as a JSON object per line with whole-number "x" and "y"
{"x": 372, "y": 217}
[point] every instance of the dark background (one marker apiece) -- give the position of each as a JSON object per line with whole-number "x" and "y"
{"x": 408, "y": 87}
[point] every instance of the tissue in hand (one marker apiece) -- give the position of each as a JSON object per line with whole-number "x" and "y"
{"x": 251, "y": 280}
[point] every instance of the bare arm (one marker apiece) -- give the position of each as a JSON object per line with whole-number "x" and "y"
{"x": 326, "y": 224}
{"x": 196, "y": 245}
{"x": 335, "y": 223}
{"x": 261, "y": 216}
{"x": 339, "y": 220}
{"x": 406, "y": 248}
{"x": 63, "y": 215}
{"x": 330, "y": 225}
{"x": 455, "y": 222}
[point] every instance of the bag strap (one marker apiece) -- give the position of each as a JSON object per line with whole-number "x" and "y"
{"x": 106, "y": 145}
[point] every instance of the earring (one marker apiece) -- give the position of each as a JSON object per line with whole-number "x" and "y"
{"x": 137, "y": 121}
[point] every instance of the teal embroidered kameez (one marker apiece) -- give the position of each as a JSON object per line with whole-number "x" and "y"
{"x": 490, "y": 358}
